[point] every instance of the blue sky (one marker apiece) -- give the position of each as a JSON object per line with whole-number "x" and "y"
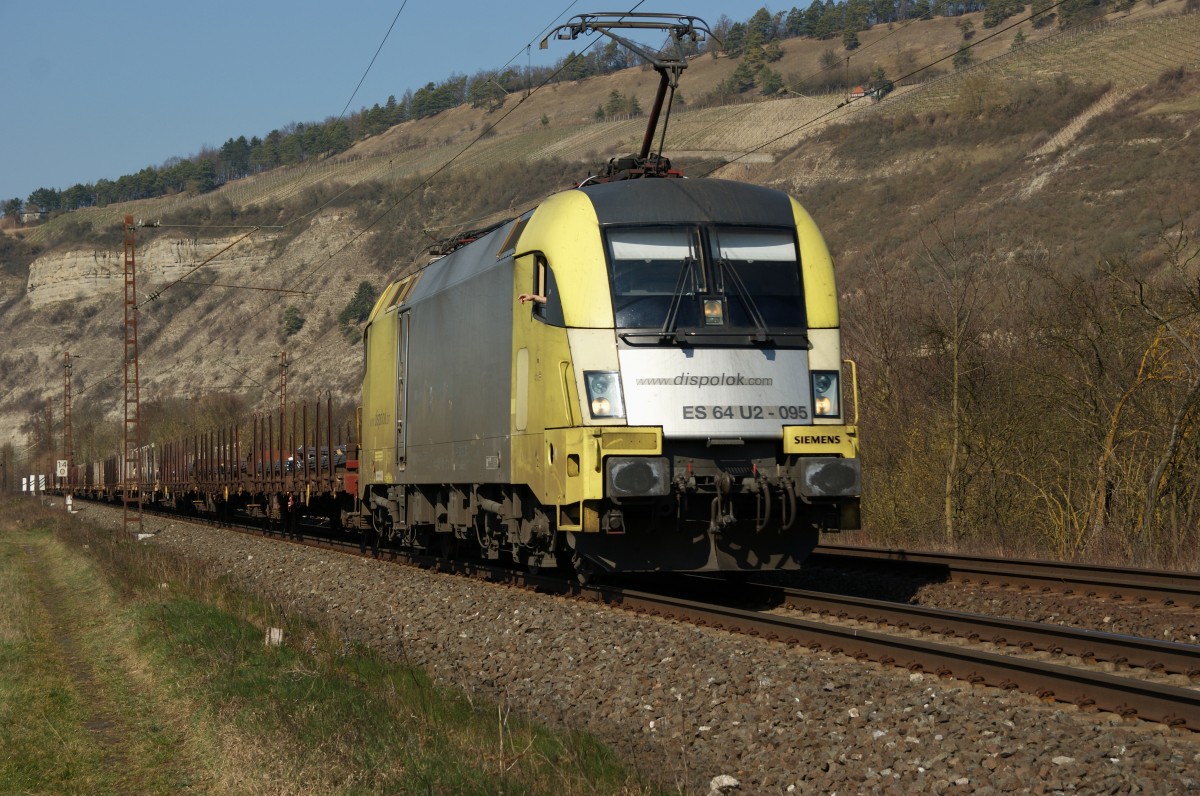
{"x": 96, "y": 90}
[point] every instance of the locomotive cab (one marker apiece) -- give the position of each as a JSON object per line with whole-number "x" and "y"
{"x": 702, "y": 336}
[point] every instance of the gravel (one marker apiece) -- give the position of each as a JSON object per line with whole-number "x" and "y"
{"x": 700, "y": 710}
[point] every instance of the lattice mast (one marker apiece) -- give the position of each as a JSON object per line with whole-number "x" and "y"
{"x": 131, "y": 478}
{"x": 68, "y": 439}
{"x": 51, "y": 481}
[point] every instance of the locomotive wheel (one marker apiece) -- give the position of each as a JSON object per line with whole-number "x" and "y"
{"x": 583, "y": 570}
{"x": 381, "y": 522}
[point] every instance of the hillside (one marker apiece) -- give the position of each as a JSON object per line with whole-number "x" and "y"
{"x": 1072, "y": 151}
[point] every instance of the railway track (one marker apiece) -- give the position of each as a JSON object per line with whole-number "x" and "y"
{"x": 1081, "y": 685}
{"x": 1167, "y": 586}
{"x": 1120, "y": 650}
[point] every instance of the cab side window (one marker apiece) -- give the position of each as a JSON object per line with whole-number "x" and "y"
{"x": 548, "y": 311}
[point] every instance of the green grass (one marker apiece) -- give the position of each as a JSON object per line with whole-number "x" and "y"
{"x": 71, "y": 718}
{"x": 353, "y": 721}
{"x": 96, "y": 627}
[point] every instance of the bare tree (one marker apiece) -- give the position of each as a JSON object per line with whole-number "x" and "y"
{"x": 953, "y": 327}
{"x": 1176, "y": 314}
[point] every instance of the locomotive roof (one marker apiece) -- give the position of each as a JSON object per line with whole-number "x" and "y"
{"x": 462, "y": 263}
{"x": 643, "y": 201}
{"x": 677, "y": 201}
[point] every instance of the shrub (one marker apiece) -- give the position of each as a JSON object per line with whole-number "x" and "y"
{"x": 963, "y": 58}
{"x": 293, "y": 321}
{"x": 357, "y": 310}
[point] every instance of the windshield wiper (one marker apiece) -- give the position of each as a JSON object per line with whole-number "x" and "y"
{"x": 760, "y": 326}
{"x": 668, "y": 327}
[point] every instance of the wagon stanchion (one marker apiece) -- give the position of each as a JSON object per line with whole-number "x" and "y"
{"x": 206, "y": 472}
{"x": 206, "y": 480}
{"x": 218, "y": 482}
{"x": 256, "y": 464}
{"x": 272, "y": 462}
{"x": 288, "y": 474}
{"x": 256, "y": 459}
{"x": 302, "y": 486}
{"x": 223, "y": 469}
{"x": 239, "y": 477}
{"x": 331, "y": 484}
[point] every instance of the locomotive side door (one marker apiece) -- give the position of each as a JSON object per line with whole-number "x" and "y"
{"x": 402, "y": 336}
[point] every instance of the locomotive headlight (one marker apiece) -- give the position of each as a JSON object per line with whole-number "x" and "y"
{"x": 826, "y": 395}
{"x": 714, "y": 312}
{"x": 604, "y": 393}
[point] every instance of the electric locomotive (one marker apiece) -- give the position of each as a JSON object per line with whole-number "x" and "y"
{"x": 643, "y": 373}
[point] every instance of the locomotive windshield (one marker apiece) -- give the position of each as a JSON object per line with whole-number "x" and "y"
{"x": 653, "y": 269}
{"x": 706, "y": 281}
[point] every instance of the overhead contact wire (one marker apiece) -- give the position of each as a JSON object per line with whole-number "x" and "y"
{"x": 320, "y": 207}
{"x": 458, "y": 155}
{"x": 424, "y": 183}
{"x": 160, "y": 291}
{"x": 341, "y": 115}
{"x": 378, "y": 50}
{"x": 851, "y": 101}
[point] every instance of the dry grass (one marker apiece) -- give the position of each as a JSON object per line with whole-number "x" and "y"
{"x": 150, "y": 675}
{"x": 15, "y": 597}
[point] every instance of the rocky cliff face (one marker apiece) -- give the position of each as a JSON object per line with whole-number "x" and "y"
{"x": 88, "y": 274}
{"x": 209, "y": 320}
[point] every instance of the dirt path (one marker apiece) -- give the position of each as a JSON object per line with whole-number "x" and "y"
{"x": 104, "y": 725}
{"x": 83, "y": 710}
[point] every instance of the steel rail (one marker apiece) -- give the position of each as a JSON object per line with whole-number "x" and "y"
{"x": 1117, "y": 648}
{"x": 1172, "y": 587}
{"x": 1125, "y": 696}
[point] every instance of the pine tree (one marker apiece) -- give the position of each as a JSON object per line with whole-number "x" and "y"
{"x": 616, "y": 104}
{"x": 963, "y": 58}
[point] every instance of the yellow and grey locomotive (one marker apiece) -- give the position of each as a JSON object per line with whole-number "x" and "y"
{"x": 643, "y": 373}
{"x": 669, "y": 398}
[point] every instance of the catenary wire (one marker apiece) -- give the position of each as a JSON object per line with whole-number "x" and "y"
{"x": 424, "y": 183}
{"x": 852, "y": 100}
{"x": 420, "y": 185}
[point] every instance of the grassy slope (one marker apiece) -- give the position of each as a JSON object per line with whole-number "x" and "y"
{"x": 75, "y": 717}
